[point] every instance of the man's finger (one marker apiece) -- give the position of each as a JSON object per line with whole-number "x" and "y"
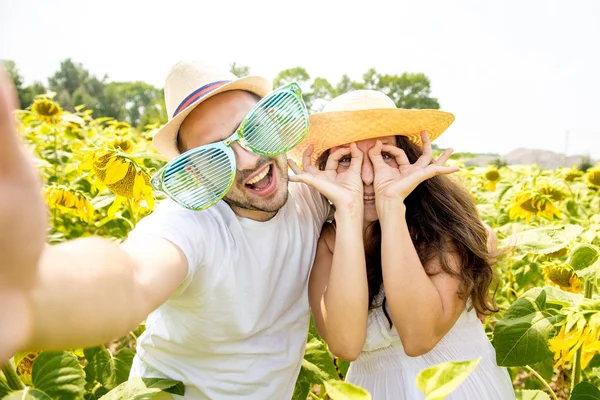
{"x": 11, "y": 148}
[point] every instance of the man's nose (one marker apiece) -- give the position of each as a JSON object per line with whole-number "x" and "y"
{"x": 245, "y": 159}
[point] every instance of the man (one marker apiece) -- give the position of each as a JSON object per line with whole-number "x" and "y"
{"x": 224, "y": 290}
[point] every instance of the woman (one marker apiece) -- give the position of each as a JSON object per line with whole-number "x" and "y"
{"x": 403, "y": 271}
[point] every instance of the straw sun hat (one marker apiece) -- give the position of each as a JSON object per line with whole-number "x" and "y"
{"x": 367, "y": 114}
{"x": 188, "y": 84}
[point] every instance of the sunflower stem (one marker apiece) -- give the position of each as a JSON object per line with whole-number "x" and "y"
{"x": 314, "y": 396}
{"x": 132, "y": 216}
{"x": 542, "y": 380}
{"x": 12, "y": 379}
{"x": 576, "y": 377}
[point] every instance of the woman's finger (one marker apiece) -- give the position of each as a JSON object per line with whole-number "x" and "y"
{"x": 398, "y": 153}
{"x": 334, "y": 158}
{"x": 444, "y": 157}
{"x": 375, "y": 156}
{"x": 357, "y": 158}
{"x": 294, "y": 166}
{"x": 426, "y": 157}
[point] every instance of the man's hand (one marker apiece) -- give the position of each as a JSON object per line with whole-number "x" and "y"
{"x": 22, "y": 227}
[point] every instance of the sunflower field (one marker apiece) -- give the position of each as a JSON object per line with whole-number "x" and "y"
{"x": 547, "y": 332}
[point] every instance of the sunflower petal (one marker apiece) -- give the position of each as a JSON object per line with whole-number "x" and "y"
{"x": 116, "y": 172}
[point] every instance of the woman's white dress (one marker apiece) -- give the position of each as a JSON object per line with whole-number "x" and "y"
{"x": 384, "y": 369}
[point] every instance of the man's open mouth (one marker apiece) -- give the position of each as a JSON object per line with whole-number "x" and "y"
{"x": 262, "y": 180}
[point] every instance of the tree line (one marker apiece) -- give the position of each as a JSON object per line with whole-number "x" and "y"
{"x": 141, "y": 104}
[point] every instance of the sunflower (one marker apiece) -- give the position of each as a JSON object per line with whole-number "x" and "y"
{"x": 553, "y": 192}
{"x": 492, "y": 176}
{"x": 69, "y": 201}
{"x": 25, "y": 365}
{"x": 593, "y": 176}
{"x": 528, "y": 203}
{"x": 563, "y": 276}
{"x": 123, "y": 144}
{"x": 572, "y": 174}
{"x": 559, "y": 253}
{"x": 581, "y": 334}
{"x": 46, "y": 110}
{"x": 122, "y": 176}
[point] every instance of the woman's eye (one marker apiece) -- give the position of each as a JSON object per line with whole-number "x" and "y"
{"x": 345, "y": 160}
{"x": 386, "y": 157}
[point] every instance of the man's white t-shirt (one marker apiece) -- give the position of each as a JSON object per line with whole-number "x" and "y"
{"x": 237, "y": 325}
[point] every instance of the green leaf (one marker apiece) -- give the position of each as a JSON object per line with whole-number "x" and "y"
{"x": 521, "y": 336}
{"x": 4, "y": 389}
{"x": 572, "y": 208}
{"x": 439, "y": 381}
{"x": 27, "y": 394}
{"x": 582, "y": 256}
{"x": 106, "y": 370}
{"x": 317, "y": 365}
{"x": 591, "y": 273}
{"x": 545, "y": 368}
{"x": 343, "y": 366}
{"x": 98, "y": 359}
{"x": 585, "y": 391}
{"x": 543, "y": 240}
{"x": 121, "y": 365}
{"x": 143, "y": 389}
{"x": 165, "y": 385}
{"x": 301, "y": 390}
{"x": 58, "y": 374}
{"x": 338, "y": 390}
{"x": 531, "y": 395}
{"x": 96, "y": 394}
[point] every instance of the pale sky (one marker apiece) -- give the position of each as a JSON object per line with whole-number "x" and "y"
{"x": 516, "y": 73}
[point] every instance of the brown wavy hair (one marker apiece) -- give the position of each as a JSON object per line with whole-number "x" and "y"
{"x": 442, "y": 219}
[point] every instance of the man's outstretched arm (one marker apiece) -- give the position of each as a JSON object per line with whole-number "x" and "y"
{"x": 90, "y": 291}
{"x": 78, "y": 293}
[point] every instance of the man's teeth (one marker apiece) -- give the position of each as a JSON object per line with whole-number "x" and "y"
{"x": 369, "y": 197}
{"x": 259, "y": 176}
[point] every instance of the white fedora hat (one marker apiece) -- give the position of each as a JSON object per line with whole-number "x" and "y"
{"x": 188, "y": 84}
{"x": 367, "y": 114}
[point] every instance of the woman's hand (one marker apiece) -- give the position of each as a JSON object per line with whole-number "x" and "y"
{"x": 342, "y": 189}
{"x": 393, "y": 185}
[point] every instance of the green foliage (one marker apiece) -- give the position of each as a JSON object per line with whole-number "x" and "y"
{"x": 531, "y": 395}
{"x": 547, "y": 223}
{"x": 439, "y": 381}
{"x": 338, "y": 390}
{"x": 27, "y": 394}
{"x": 144, "y": 389}
{"x": 59, "y": 375}
{"x": 521, "y": 337}
{"x": 585, "y": 391}
{"x": 544, "y": 240}
{"x": 138, "y": 103}
{"x": 239, "y": 70}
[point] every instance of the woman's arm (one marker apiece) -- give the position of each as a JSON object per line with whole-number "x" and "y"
{"x": 338, "y": 290}
{"x": 423, "y": 308}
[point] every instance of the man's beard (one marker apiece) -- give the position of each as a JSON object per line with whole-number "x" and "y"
{"x": 238, "y": 196}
